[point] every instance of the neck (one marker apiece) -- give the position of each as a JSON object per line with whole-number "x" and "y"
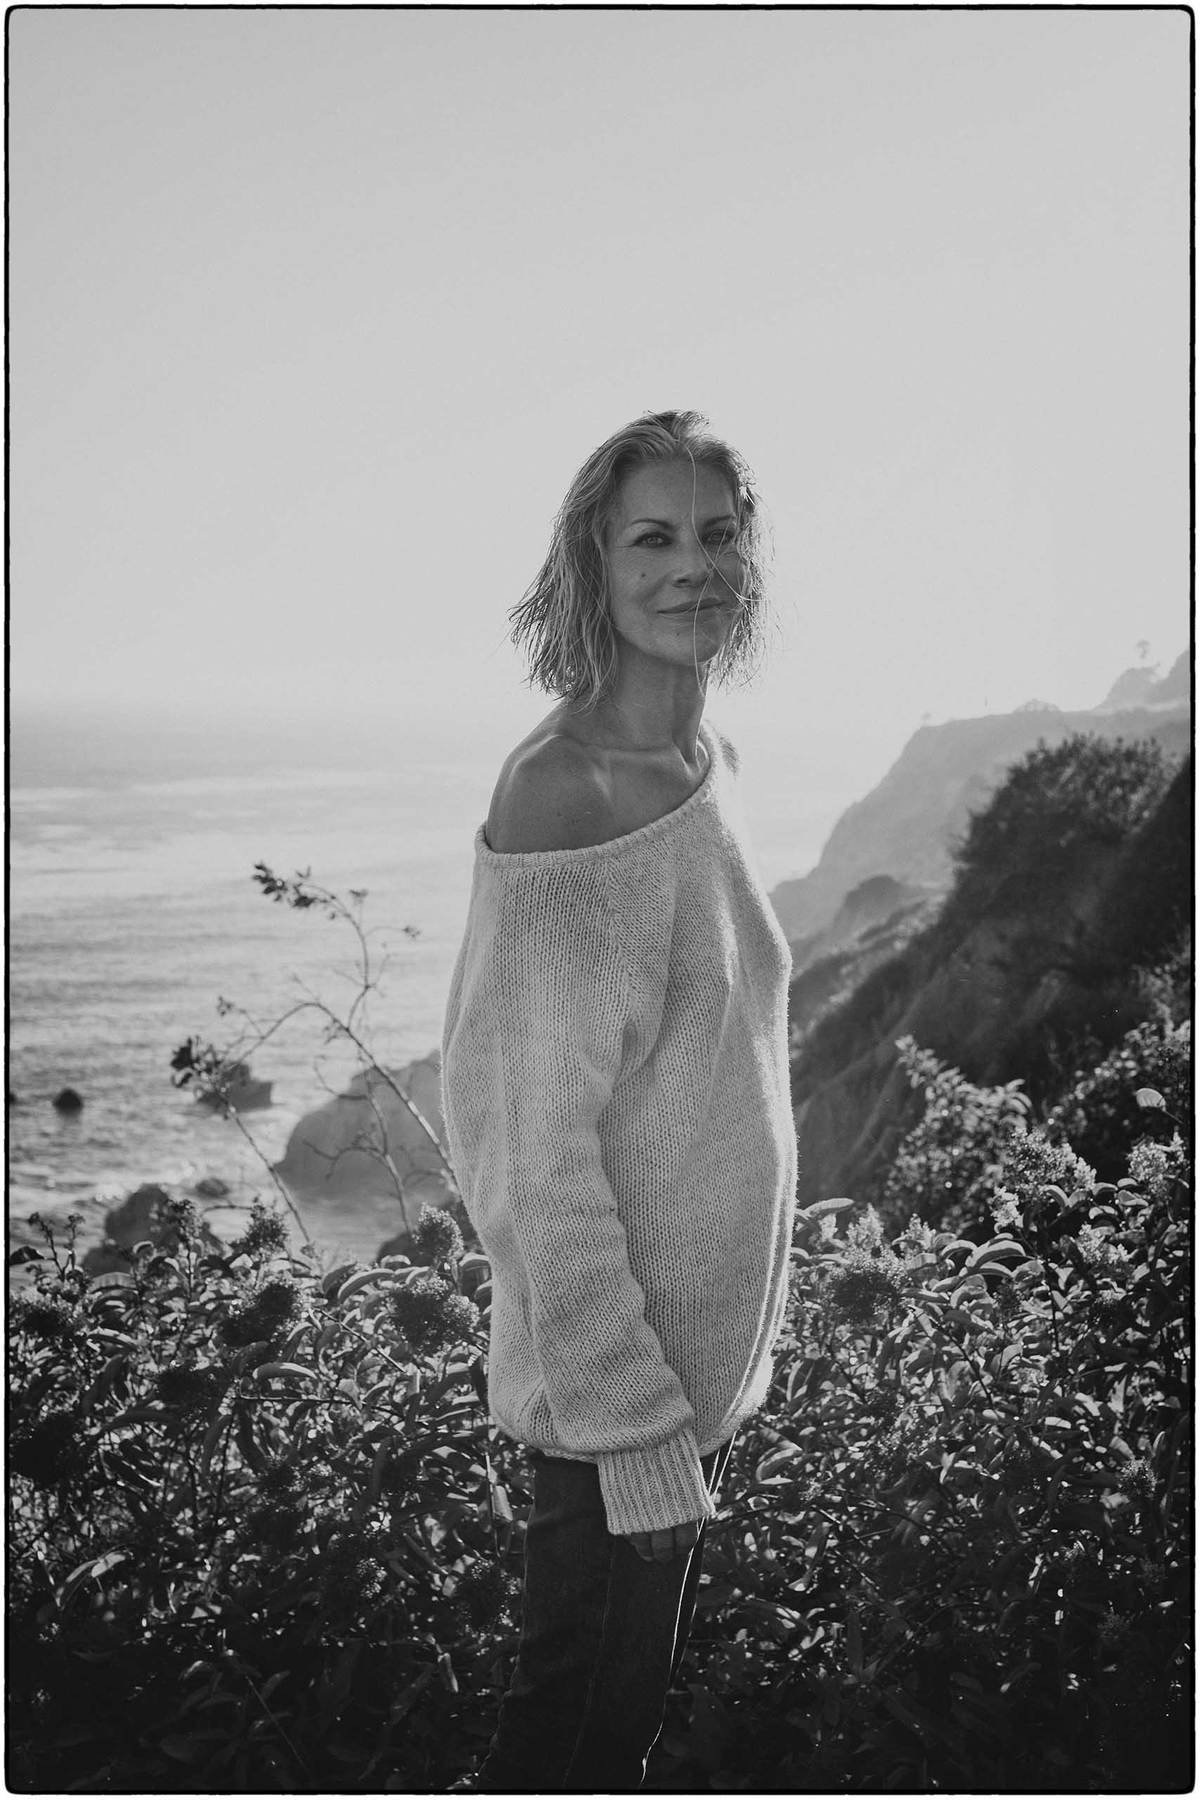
{"x": 652, "y": 706}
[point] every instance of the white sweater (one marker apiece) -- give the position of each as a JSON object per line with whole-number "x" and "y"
{"x": 615, "y": 1076}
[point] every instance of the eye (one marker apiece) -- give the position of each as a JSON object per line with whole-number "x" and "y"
{"x": 650, "y": 540}
{"x": 723, "y": 538}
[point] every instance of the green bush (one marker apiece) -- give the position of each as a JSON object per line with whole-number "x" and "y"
{"x": 950, "y": 1161}
{"x": 263, "y": 1539}
{"x": 1099, "y": 1112}
{"x": 259, "y": 1528}
{"x": 1058, "y": 801}
{"x": 956, "y": 1558}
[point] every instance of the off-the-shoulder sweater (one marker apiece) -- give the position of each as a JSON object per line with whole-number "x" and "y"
{"x": 615, "y": 1077}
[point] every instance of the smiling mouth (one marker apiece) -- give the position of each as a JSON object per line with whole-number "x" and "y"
{"x": 692, "y": 606}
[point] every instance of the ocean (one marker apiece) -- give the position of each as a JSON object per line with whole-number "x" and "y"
{"x": 133, "y": 911}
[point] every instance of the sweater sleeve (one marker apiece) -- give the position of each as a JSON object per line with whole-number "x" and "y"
{"x": 562, "y": 989}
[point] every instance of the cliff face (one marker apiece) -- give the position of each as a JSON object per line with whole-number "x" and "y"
{"x": 874, "y": 922}
{"x": 1003, "y": 988}
{"x": 906, "y": 826}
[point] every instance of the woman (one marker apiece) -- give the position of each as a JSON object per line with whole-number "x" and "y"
{"x": 616, "y": 1093}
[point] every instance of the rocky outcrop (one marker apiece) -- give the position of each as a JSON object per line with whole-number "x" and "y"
{"x": 1144, "y": 687}
{"x": 142, "y": 1217}
{"x": 239, "y": 1089}
{"x": 343, "y": 1149}
{"x": 875, "y": 905}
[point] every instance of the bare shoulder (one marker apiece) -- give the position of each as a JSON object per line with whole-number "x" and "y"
{"x": 553, "y": 794}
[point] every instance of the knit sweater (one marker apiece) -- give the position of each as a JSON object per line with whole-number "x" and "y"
{"x": 615, "y": 1077}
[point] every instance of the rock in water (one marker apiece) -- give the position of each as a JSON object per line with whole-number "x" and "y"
{"x": 68, "y": 1101}
{"x": 144, "y": 1216}
{"x": 240, "y": 1090}
{"x": 337, "y": 1151}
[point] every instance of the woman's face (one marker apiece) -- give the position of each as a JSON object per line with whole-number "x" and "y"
{"x": 674, "y": 575}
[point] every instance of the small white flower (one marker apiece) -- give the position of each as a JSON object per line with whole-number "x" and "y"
{"x": 1155, "y": 1166}
{"x": 1006, "y": 1212}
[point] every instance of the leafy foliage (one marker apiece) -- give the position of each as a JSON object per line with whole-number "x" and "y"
{"x": 1099, "y": 1111}
{"x": 265, "y": 1511}
{"x": 957, "y": 1553}
{"x": 949, "y": 1162}
{"x": 261, "y": 1511}
{"x": 1057, "y": 800}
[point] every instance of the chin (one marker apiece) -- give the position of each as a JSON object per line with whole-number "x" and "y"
{"x": 684, "y": 657}
{"x": 707, "y": 638}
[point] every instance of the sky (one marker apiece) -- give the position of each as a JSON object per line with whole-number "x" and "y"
{"x": 314, "y": 314}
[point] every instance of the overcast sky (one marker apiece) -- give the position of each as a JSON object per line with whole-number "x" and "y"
{"x": 314, "y": 314}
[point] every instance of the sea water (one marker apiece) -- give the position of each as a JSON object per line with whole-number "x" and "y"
{"x": 133, "y": 912}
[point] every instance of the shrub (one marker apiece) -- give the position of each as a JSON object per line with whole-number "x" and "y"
{"x": 1059, "y": 799}
{"x": 956, "y": 1555}
{"x": 953, "y": 1555}
{"x": 950, "y": 1160}
{"x": 260, "y": 1531}
{"x": 1099, "y": 1113}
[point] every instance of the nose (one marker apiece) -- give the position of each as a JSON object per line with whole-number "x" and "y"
{"x": 692, "y": 565}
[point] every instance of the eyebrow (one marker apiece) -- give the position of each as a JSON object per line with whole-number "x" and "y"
{"x": 668, "y": 524}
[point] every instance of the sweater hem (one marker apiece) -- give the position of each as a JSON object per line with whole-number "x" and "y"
{"x": 656, "y": 1488}
{"x": 704, "y": 1446}
{"x": 647, "y": 1488}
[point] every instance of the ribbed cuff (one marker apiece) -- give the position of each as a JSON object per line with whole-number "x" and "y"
{"x": 653, "y": 1489}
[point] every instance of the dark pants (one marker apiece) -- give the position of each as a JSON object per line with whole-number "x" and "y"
{"x": 602, "y": 1636}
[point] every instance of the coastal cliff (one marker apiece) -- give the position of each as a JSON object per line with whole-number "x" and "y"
{"x": 906, "y": 827}
{"x": 1014, "y": 960}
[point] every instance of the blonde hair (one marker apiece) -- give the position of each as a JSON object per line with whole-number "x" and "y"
{"x": 563, "y": 621}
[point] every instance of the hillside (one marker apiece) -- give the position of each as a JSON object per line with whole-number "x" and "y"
{"x": 906, "y": 826}
{"x": 1031, "y": 963}
{"x": 874, "y": 922}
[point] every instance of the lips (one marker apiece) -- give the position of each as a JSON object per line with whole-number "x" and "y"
{"x": 693, "y": 606}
